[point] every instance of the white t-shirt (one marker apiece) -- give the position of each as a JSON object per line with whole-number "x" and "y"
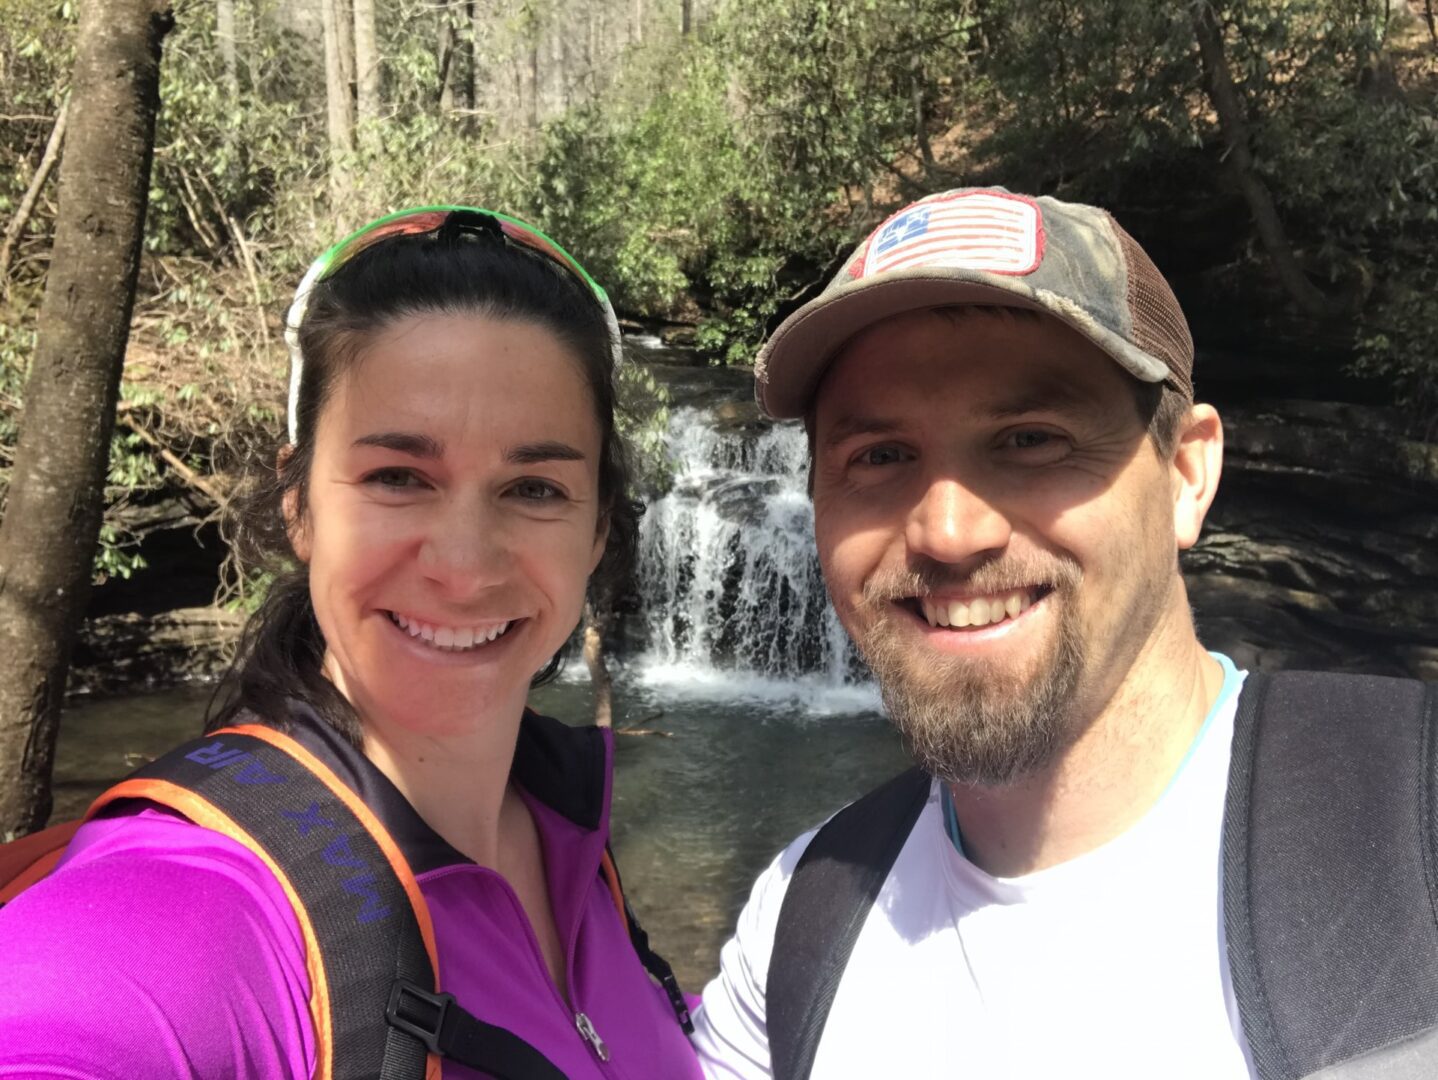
{"x": 1110, "y": 965}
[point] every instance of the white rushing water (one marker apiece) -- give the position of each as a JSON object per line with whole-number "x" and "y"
{"x": 735, "y": 605}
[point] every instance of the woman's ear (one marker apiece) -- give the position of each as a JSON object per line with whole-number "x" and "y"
{"x": 1197, "y": 464}
{"x": 601, "y": 538}
{"x": 295, "y": 526}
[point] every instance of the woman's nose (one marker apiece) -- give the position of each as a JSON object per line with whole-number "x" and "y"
{"x": 466, "y": 547}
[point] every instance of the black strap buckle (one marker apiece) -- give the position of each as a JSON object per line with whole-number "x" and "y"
{"x": 418, "y": 1012}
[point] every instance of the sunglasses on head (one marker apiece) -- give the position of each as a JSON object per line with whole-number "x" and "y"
{"x": 427, "y": 219}
{"x": 417, "y": 222}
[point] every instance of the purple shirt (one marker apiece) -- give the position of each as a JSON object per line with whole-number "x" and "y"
{"x": 160, "y": 948}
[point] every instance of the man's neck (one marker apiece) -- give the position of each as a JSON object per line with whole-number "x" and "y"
{"x": 1107, "y": 779}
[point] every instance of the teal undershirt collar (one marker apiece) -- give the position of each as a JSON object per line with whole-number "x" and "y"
{"x": 1232, "y": 679}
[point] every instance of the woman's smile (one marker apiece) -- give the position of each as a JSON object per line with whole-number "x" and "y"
{"x": 451, "y": 638}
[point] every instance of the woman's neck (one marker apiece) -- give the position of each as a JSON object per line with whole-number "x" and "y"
{"x": 453, "y": 770}
{"x": 457, "y": 784}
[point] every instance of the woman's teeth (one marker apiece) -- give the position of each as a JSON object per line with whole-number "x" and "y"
{"x": 449, "y": 638}
{"x": 980, "y": 611}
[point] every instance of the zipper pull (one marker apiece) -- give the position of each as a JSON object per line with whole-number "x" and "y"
{"x": 586, "y": 1029}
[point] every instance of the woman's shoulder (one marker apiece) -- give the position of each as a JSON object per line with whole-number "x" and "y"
{"x": 157, "y": 947}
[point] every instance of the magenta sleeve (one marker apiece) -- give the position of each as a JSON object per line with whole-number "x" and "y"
{"x": 156, "y": 949}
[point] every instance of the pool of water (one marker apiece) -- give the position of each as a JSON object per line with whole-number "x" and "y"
{"x": 728, "y": 775}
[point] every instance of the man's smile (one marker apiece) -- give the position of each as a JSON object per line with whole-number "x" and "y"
{"x": 976, "y": 611}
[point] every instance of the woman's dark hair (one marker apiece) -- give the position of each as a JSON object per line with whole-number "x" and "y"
{"x": 466, "y": 266}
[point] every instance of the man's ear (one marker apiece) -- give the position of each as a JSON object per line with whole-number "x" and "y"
{"x": 295, "y": 525}
{"x": 1197, "y": 464}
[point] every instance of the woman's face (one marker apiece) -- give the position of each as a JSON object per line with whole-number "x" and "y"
{"x": 453, "y": 518}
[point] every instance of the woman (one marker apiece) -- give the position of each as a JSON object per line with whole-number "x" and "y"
{"x": 453, "y": 479}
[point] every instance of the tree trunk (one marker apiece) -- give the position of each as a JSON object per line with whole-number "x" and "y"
{"x": 445, "y": 59}
{"x": 557, "y": 74}
{"x": 366, "y": 65}
{"x": 591, "y": 49}
{"x": 686, "y": 17}
{"x": 344, "y": 23}
{"x": 476, "y": 53}
{"x": 594, "y": 627}
{"x": 52, "y": 521}
{"x": 534, "y": 83}
{"x": 1232, "y": 122}
{"x": 1431, "y": 20}
{"x": 32, "y": 193}
{"x": 568, "y": 76}
{"x": 339, "y": 118}
{"x": 225, "y": 40}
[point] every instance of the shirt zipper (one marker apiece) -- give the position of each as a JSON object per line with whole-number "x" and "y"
{"x": 586, "y": 1028}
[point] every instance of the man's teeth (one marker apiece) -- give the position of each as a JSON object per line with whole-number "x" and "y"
{"x": 451, "y": 638}
{"x": 980, "y": 611}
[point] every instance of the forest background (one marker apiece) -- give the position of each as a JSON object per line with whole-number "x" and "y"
{"x": 710, "y": 162}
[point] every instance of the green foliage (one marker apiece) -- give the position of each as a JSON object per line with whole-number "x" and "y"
{"x": 1086, "y": 90}
{"x": 116, "y": 556}
{"x": 721, "y": 185}
{"x": 643, "y": 421}
{"x": 17, "y": 340}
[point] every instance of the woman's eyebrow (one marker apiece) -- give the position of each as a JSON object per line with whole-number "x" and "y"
{"x": 533, "y": 453}
{"x": 404, "y": 442}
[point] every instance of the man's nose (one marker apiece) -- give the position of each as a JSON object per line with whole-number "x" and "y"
{"x": 954, "y": 524}
{"x": 466, "y": 547}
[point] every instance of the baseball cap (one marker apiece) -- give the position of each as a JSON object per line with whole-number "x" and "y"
{"x": 987, "y": 246}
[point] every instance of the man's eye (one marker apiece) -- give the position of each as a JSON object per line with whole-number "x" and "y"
{"x": 1027, "y": 440}
{"x": 881, "y": 455}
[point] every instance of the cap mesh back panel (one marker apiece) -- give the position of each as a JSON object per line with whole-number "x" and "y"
{"x": 1159, "y": 327}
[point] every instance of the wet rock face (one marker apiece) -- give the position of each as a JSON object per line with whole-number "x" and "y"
{"x": 130, "y": 650}
{"x": 1321, "y": 550}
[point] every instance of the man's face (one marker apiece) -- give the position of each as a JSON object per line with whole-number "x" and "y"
{"x": 997, "y": 532}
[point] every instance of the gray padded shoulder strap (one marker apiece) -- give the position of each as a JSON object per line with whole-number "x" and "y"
{"x": 829, "y": 896}
{"x": 1329, "y": 872}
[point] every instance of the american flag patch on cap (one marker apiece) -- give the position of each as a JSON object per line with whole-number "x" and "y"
{"x": 998, "y": 234}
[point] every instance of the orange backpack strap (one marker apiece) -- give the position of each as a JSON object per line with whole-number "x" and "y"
{"x": 365, "y": 924}
{"x": 25, "y": 861}
{"x": 375, "y": 998}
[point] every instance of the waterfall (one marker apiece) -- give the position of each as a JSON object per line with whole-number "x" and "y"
{"x": 734, "y": 602}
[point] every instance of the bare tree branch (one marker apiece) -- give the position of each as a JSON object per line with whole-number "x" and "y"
{"x": 32, "y": 193}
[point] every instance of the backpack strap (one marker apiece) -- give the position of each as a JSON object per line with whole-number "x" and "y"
{"x": 658, "y": 968}
{"x": 26, "y": 860}
{"x": 374, "y": 995}
{"x": 1330, "y": 873}
{"x": 829, "y": 896}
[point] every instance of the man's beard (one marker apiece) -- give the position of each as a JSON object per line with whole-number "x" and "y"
{"x": 968, "y": 721}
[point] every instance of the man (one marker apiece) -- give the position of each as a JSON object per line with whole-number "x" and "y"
{"x": 1006, "y": 461}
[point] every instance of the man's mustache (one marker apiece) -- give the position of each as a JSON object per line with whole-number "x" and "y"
{"x": 1007, "y": 573}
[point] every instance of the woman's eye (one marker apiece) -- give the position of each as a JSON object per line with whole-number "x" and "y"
{"x": 392, "y": 478}
{"x": 537, "y": 490}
